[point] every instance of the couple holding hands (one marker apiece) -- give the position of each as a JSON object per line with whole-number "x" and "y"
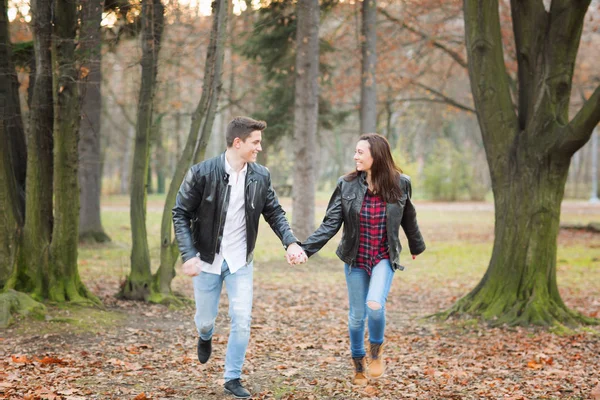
{"x": 216, "y": 218}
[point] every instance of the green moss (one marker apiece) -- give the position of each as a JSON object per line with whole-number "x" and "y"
{"x": 71, "y": 319}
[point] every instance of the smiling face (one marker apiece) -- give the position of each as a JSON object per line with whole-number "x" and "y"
{"x": 362, "y": 156}
{"x": 248, "y": 149}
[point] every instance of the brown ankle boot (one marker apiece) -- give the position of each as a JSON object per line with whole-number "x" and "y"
{"x": 360, "y": 370}
{"x": 377, "y": 365}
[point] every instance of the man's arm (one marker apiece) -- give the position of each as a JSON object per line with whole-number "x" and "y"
{"x": 187, "y": 202}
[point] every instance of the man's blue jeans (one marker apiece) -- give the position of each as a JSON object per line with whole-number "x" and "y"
{"x": 363, "y": 289}
{"x": 207, "y": 292}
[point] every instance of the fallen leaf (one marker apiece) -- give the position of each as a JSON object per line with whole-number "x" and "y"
{"x": 20, "y": 359}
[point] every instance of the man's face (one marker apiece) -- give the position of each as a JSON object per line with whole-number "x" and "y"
{"x": 248, "y": 149}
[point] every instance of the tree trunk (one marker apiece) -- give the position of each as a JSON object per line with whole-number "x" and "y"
{"x": 10, "y": 113}
{"x": 11, "y": 218}
{"x": 90, "y": 165}
{"x": 138, "y": 283}
{"x": 306, "y": 112}
{"x": 528, "y": 155}
{"x": 31, "y": 272}
{"x": 13, "y": 156}
{"x": 64, "y": 283}
{"x": 368, "y": 87}
{"x": 202, "y": 121}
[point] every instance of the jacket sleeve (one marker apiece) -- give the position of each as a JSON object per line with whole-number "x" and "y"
{"x": 409, "y": 222}
{"x": 275, "y": 217}
{"x": 187, "y": 202}
{"x": 331, "y": 224}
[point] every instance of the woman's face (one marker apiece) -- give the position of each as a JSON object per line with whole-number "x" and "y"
{"x": 362, "y": 156}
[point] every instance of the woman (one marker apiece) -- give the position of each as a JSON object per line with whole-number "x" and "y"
{"x": 372, "y": 203}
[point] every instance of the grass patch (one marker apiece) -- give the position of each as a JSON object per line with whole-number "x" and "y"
{"x": 69, "y": 319}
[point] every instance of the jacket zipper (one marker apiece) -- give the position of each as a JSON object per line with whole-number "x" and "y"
{"x": 253, "y": 193}
{"x": 221, "y": 219}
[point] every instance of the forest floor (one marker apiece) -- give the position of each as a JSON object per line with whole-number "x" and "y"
{"x": 299, "y": 343}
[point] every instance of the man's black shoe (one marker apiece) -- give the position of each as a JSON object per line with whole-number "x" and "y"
{"x": 235, "y": 388}
{"x": 204, "y": 350}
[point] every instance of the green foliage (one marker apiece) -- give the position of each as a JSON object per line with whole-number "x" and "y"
{"x": 448, "y": 174}
{"x": 271, "y": 44}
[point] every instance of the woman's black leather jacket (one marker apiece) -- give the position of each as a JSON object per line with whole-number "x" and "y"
{"x": 344, "y": 207}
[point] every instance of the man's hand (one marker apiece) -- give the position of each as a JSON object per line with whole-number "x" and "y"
{"x": 295, "y": 255}
{"x": 191, "y": 267}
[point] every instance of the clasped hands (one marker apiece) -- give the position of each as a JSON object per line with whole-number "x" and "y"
{"x": 295, "y": 255}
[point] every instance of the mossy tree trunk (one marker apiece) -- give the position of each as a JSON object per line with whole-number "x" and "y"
{"x": 202, "y": 123}
{"x": 64, "y": 283}
{"x": 11, "y": 218}
{"x": 90, "y": 158}
{"x": 139, "y": 281}
{"x": 528, "y": 148}
{"x": 31, "y": 273}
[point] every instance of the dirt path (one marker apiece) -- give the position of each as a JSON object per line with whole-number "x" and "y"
{"x": 298, "y": 350}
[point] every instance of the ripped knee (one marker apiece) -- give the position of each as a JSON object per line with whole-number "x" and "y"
{"x": 373, "y": 305}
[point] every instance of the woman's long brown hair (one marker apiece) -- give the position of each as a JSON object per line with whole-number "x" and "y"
{"x": 384, "y": 171}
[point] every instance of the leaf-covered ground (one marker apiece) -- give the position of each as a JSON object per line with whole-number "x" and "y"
{"x": 299, "y": 344}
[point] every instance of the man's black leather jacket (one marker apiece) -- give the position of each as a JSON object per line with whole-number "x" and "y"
{"x": 201, "y": 207}
{"x": 345, "y": 206}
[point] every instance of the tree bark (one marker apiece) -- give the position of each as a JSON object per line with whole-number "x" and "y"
{"x": 90, "y": 164}
{"x": 64, "y": 283}
{"x": 306, "y": 112}
{"x": 138, "y": 283}
{"x": 11, "y": 219}
{"x": 202, "y": 122}
{"x": 528, "y": 155}
{"x": 31, "y": 272}
{"x": 368, "y": 85}
{"x": 13, "y": 152}
{"x": 10, "y": 111}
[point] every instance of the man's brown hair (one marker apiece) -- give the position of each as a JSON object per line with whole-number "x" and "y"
{"x": 242, "y": 127}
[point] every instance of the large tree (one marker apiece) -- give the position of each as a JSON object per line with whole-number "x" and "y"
{"x": 90, "y": 160}
{"x": 64, "y": 283}
{"x": 306, "y": 113}
{"x": 528, "y": 148}
{"x": 46, "y": 266}
{"x": 197, "y": 140}
{"x": 31, "y": 272}
{"x": 138, "y": 283}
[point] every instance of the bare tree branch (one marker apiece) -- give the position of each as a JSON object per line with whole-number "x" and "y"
{"x": 580, "y": 129}
{"x": 442, "y": 98}
{"x": 457, "y": 57}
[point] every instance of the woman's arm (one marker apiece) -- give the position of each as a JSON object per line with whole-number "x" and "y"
{"x": 409, "y": 222}
{"x": 330, "y": 226}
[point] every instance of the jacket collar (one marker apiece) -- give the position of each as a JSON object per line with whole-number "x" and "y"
{"x": 362, "y": 178}
{"x": 223, "y": 169}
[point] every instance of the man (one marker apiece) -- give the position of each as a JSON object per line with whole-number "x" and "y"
{"x": 216, "y": 219}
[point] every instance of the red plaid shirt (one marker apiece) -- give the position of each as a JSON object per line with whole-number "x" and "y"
{"x": 373, "y": 244}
